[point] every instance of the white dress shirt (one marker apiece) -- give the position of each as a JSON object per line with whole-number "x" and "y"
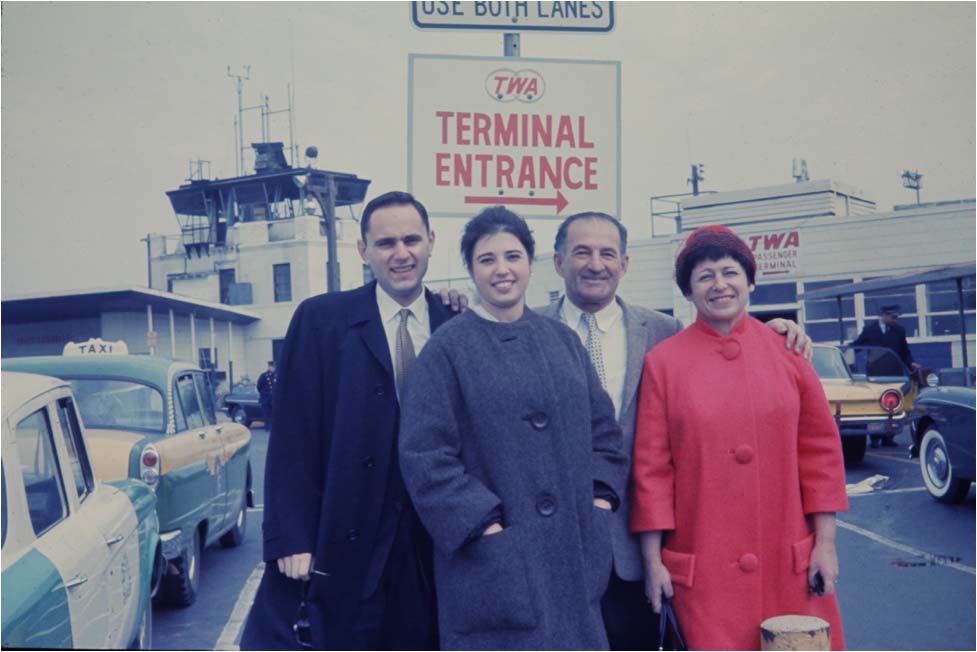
{"x": 418, "y": 323}
{"x": 613, "y": 343}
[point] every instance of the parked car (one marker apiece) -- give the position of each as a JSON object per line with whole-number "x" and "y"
{"x": 861, "y": 407}
{"x": 153, "y": 419}
{"x": 943, "y": 426}
{"x": 243, "y": 404}
{"x": 81, "y": 557}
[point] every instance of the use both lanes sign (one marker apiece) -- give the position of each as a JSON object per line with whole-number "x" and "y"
{"x": 554, "y": 16}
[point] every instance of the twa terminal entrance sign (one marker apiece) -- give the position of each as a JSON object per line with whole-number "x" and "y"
{"x": 541, "y": 136}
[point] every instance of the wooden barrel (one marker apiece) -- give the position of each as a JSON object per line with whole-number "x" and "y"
{"x": 795, "y": 633}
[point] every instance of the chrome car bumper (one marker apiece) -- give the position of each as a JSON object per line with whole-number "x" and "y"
{"x": 861, "y": 426}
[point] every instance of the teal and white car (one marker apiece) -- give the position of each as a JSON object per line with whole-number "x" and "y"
{"x": 154, "y": 419}
{"x": 80, "y": 557}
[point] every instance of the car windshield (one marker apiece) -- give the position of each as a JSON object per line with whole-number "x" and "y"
{"x": 120, "y": 404}
{"x": 829, "y": 363}
{"x": 877, "y": 363}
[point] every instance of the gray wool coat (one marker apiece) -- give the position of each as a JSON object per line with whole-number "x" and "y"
{"x": 643, "y": 329}
{"x": 510, "y": 420}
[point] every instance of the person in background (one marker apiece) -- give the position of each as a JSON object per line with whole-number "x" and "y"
{"x": 738, "y": 470}
{"x": 590, "y": 254}
{"x": 888, "y": 333}
{"x": 348, "y": 564}
{"x": 266, "y": 391}
{"x": 516, "y": 466}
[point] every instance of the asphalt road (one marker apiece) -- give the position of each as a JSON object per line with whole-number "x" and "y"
{"x": 907, "y": 568}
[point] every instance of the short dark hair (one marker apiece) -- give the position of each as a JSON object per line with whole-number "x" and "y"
{"x": 561, "y": 234}
{"x": 683, "y": 272}
{"x": 496, "y": 219}
{"x": 392, "y": 198}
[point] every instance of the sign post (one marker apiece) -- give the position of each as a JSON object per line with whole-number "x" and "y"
{"x": 542, "y": 135}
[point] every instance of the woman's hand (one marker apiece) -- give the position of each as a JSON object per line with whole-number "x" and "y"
{"x": 824, "y": 555}
{"x": 658, "y": 582}
{"x": 495, "y": 528}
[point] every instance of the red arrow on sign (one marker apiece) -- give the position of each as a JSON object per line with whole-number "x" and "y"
{"x": 559, "y": 201}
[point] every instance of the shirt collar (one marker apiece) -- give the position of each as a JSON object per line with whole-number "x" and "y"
{"x": 606, "y": 316}
{"x": 482, "y": 312}
{"x": 389, "y": 308}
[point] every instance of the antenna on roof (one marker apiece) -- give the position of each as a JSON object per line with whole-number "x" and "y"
{"x": 240, "y": 78}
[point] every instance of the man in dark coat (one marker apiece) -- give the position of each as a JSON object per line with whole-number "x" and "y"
{"x": 887, "y": 332}
{"x": 266, "y": 391}
{"x": 336, "y": 512}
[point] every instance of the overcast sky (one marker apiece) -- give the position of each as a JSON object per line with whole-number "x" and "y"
{"x": 104, "y": 105}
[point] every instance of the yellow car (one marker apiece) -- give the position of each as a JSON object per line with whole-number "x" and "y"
{"x": 864, "y": 405}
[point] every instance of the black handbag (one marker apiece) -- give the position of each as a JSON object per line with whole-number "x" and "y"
{"x": 669, "y": 633}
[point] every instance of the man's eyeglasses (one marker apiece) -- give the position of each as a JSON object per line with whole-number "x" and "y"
{"x": 302, "y": 626}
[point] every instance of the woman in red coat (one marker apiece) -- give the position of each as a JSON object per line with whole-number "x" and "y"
{"x": 738, "y": 469}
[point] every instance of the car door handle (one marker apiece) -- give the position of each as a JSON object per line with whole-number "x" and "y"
{"x": 202, "y": 434}
{"x": 77, "y": 580}
{"x": 118, "y": 538}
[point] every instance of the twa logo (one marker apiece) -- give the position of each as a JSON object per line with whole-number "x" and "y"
{"x": 506, "y": 85}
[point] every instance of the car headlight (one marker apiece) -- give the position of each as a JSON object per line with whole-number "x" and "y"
{"x": 932, "y": 380}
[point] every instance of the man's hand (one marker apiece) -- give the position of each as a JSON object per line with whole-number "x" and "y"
{"x": 602, "y": 503}
{"x": 795, "y": 337}
{"x": 296, "y": 567}
{"x": 453, "y": 298}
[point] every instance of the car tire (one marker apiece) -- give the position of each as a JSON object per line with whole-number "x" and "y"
{"x": 938, "y": 475}
{"x": 238, "y": 415}
{"x": 853, "y": 449}
{"x": 235, "y": 536}
{"x": 144, "y": 637}
{"x": 181, "y": 589}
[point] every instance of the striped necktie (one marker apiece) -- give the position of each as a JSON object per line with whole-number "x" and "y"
{"x": 404, "y": 356}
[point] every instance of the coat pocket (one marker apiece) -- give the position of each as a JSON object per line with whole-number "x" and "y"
{"x": 801, "y": 553}
{"x": 600, "y": 555}
{"x": 484, "y": 586}
{"x": 680, "y": 565}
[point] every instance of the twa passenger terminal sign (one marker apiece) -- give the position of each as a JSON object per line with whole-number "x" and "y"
{"x": 541, "y": 136}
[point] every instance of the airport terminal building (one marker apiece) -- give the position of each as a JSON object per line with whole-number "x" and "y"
{"x": 813, "y": 235}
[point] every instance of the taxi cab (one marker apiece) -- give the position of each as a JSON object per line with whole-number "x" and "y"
{"x": 154, "y": 419}
{"x": 80, "y": 556}
{"x": 863, "y": 404}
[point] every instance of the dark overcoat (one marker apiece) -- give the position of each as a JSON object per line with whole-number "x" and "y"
{"x": 510, "y": 419}
{"x": 894, "y": 338}
{"x": 332, "y": 481}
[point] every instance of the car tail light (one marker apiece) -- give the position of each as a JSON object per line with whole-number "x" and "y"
{"x": 891, "y": 400}
{"x": 149, "y": 463}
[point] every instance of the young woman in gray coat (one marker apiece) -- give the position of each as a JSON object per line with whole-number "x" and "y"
{"x": 512, "y": 456}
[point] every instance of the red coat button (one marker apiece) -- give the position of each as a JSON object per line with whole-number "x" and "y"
{"x": 743, "y": 454}
{"x": 730, "y": 349}
{"x": 748, "y": 562}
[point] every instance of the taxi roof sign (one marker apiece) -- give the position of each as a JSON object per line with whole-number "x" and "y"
{"x": 579, "y": 16}
{"x": 96, "y": 346}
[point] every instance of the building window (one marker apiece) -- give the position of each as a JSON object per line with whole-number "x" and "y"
{"x": 170, "y": 279}
{"x": 943, "y": 315}
{"x": 367, "y": 274}
{"x": 773, "y": 293}
{"x": 276, "y": 350}
{"x": 821, "y": 315}
{"x": 904, "y": 297}
{"x": 205, "y": 360}
{"x": 283, "y": 282}
{"x": 226, "y": 281}
{"x": 554, "y": 295}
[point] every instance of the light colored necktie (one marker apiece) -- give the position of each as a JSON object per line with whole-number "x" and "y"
{"x": 404, "y": 356}
{"x": 593, "y": 347}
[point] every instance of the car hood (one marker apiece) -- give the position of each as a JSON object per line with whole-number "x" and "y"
{"x": 110, "y": 451}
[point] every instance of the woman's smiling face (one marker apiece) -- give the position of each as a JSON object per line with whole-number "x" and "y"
{"x": 720, "y": 292}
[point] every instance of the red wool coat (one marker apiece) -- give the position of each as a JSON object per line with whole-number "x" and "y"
{"x": 735, "y": 445}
